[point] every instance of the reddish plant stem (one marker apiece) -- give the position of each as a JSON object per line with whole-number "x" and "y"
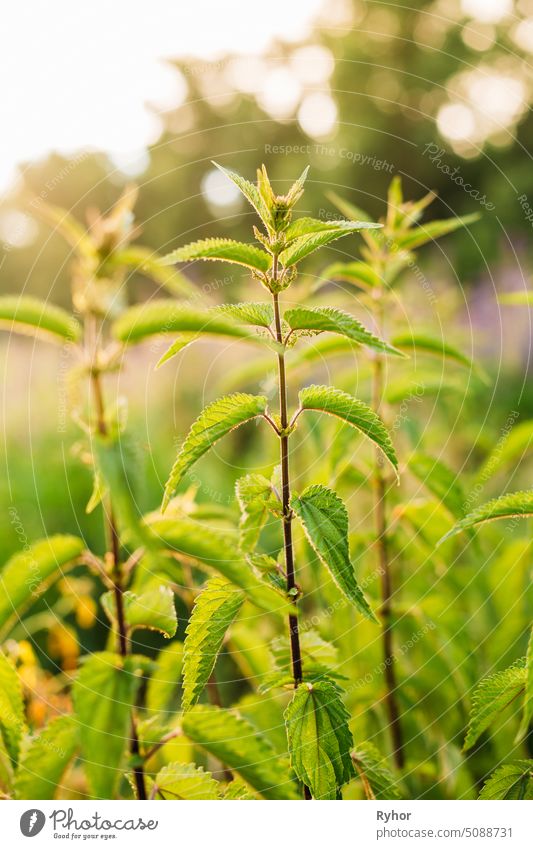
{"x": 296, "y": 654}
{"x": 387, "y": 591}
{"x": 294, "y": 635}
{"x": 118, "y": 591}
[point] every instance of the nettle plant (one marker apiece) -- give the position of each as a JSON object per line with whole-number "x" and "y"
{"x": 507, "y": 693}
{"x": 319, "y": 741}
{"x": 387, "y": 257}
{"x": 103, "y": 722}
{"x": 138, "y": 723}
{"x": 509, "y": 690}
{"x": 119, "y": 728}
{"x": 501, "y": 704}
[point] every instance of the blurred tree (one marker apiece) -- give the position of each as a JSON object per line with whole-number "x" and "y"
{"x": 439, "y": 93}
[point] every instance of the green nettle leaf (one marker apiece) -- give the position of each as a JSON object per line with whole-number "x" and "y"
{"x": 309, "y": 226}
{"x": 517, "y": 505}
{"x": 377, "y": 779}
{"x": 221, "y": 250}
{"x": 214, "y": 422}
{"x": 326, "y": 399}
{"x": 220, "y": 551}
{"x": 319, "y": 738}
{"x": 528, "y": 694}
{"x": 279, "y": 206}
{"x": 46, "y": 758}
{"x": 432, "y": 230}
{"x": 510, "y": 781}
{"x": 29, "y": 573}
{"x": 165, "y": 678}
{"x": 254, "y": 494}
{"x": 251, "y": 193}
{"x": 317, "y": 654}
{"x": 305, "y": 245}
{"x": 269, "y": 569}
{"x": 325, "y": 521}
{"x": 517, "y": 298}
{"x": 178, "y": 345}
{"x": 516, "y": 445}
{"x": 103, "y": 696}
{"x": 296, "y": 190}
{"x": 165, "y": 316}
{"x": 422, "y": 343}
{"x": 12, "y": 718}
{"x": 265, "y": 189}
{"x": 98, "y": 493}
{"x": 33, "y": 317}
{"x": 440, "y": 481}
{"x": 336, "y": 321}
{"x": 257, "y": 314}
{"x": 238, "y": 791}
{"x": 395, "y": 202}
{"x": 152, "y": 610}
{"x": 151, "y": 730}
{"x": 491, "y": 696}
{"x": 185, "y": 781}
{"x": 214, "y": 610}
{"x": 238, "y": 744}
{"x": 359, "y": 273}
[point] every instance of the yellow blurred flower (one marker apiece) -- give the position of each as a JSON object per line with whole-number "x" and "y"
{"x": 85, "y": 611}
{"x": 63, "y": 645}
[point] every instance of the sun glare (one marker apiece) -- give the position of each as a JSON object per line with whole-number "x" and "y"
{"x": 95, "y": 76}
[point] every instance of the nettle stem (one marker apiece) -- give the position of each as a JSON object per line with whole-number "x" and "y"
{"x": 296, "y": 654}
{"x": 294, "y": 634}
{"x": 113, "y": 546}
{"x": 380, "y": 514}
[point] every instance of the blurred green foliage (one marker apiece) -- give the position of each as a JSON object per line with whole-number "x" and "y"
{"x": 395, "y": 69}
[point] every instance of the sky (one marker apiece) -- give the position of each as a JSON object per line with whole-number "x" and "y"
{"x": 77, "y": 75}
